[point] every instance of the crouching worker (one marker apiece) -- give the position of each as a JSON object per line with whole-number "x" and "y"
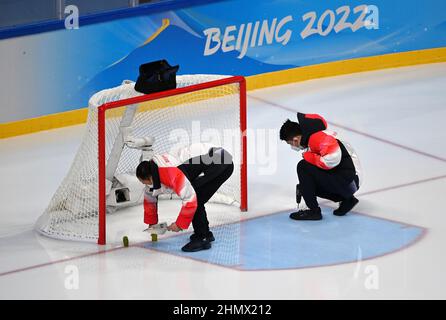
{"x": 194, "y": 173}
{"x": 330, "y": 168}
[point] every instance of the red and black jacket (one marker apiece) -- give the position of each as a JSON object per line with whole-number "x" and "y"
{"x": 324, "y": 149}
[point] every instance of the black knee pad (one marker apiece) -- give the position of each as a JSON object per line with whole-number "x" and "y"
{"x": 228, "y": 169}
{"x": 302, "y": 166}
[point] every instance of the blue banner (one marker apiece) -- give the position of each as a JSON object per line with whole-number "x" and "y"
{"x": 59, "y": 70}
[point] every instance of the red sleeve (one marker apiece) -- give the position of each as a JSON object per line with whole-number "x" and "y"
{"x": 150, "y": 208}
{"x": 324, "y": 151}
{"x": 175, "y": 179}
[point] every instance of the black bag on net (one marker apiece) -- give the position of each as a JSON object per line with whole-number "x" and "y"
{"x": 156, "y": 76}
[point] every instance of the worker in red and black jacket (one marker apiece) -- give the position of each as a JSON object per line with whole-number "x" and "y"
{"x": 330, "y": 168}
{"x": 194, "y": 173}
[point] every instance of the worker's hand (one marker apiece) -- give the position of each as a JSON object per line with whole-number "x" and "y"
{"x": 173, "y": 227}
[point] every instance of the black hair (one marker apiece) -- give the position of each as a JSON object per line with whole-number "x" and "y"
{"x": 143, "y": 171}
{"x": 290, "y": 130}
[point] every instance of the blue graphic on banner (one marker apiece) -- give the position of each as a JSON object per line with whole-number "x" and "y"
{"x": 162, "y": 48}
{"x": 62, "y": 69}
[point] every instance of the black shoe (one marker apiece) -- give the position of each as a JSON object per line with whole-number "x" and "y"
{"x": 307, "y": 215}
{"x": 346, "y": 206}
{"x": 209, "y": 237}
{"x": 197, "y": 245}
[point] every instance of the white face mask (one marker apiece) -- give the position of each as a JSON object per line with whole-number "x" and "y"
{"x": 299, "y": 148}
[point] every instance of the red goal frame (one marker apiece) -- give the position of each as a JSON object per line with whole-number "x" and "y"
{"x": 168, "y": 93}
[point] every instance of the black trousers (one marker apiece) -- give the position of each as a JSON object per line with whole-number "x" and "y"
{"x": 328, "y": 184}
{"x": 207, "y": 173}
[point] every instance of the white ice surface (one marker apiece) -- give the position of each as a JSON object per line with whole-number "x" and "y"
{"x": 405, "y": 106}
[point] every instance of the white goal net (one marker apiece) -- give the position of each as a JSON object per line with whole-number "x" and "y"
{"x": 213, "y": 114}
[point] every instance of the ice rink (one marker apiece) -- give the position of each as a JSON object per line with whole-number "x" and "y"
{"x": 391, "y": 247}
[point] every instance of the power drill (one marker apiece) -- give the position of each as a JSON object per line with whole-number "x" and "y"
{"x": 298, "y": 195}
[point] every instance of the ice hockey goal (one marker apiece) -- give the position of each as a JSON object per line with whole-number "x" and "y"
{"x": 203, "y": 108}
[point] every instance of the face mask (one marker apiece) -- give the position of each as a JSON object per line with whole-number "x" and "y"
{"x": 299, "y": 148}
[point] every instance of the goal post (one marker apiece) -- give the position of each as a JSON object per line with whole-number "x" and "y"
{"x": 216, "y": 105}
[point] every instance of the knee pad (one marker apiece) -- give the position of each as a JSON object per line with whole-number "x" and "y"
{"x": 302, "y": 165}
